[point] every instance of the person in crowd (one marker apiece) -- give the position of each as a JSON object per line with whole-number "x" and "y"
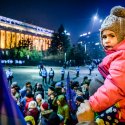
{"x": 52, "y": 96}
{"x": 24, "y": 89}
{"x": 58, "y": 88}
{"x": 85, "y": 87}
{"x": 24, "y": 102}
{"x": 91, "y": 67}
{"x": 39, "y": 101}
{"x": 15, "y": 94}
{"x": 41, "y": 66}
{"x": 108, "y": 99}
{"x": 32, "y": 111}
{"x": 63, "y": 109}
{"x": 41, "y": 104}
{"x": 51, "y": 90}
{"x": 86, "y": 80}
{"x": 62, "y": 73}
{"x": 51, "y": 75}
{"x": 30, "y": 120}
{"x": 77, "y": 71}
{"x": 9, "y": 75}
{"x": 43, "y": 73}
{"x": 54, "y": 118}
{"x": 79, "y": 100}
{"x": 63, "y": 90}
{"x": 44, "y": 116}
{"x": 38, "y": 89}
{"x": 85, "y": 91}
{"x": 16, "y": 86}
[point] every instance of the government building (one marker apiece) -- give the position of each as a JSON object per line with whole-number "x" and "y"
{"x": 13, "y": 31}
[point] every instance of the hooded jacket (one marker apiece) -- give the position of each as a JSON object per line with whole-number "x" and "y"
{"x": 63, "y": 108}
{"x": 112, "y": 92}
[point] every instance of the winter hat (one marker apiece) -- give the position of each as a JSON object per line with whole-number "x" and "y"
{"x": 45, "y": 106}
{"x": 32, "y": 104}
{"x": 79, "y": 98}
{"x": 30, "y": 119}
{"x": 39, "y": 96}
{"x": 58, "y": 85}
{"x": 115, "y": 22}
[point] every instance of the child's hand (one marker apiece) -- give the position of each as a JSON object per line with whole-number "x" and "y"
{"x": 84, "y": 112}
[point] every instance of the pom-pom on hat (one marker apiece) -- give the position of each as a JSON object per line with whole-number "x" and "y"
{"x": 115, "y": 22}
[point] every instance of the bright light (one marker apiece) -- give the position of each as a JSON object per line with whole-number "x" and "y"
{"x": 96, "y": 44}
{"x": 65, "y": 31}
{"x": 95, "y": 17}
{"x": 100, "y": 20}
{"x": 89, "y": 32}
{"x": 84, "y": 34}
{"x": 68, "y": 34}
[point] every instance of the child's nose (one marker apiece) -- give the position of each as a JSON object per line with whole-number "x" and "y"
{"x": 107, "y": 40}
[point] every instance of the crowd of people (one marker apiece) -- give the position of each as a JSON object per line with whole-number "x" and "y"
{"x": 56, "y": 108}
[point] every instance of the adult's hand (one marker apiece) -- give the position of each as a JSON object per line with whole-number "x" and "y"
{"x": 85, "y": 112}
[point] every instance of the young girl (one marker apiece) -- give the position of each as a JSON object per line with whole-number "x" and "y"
{"x": 107, "y": 98}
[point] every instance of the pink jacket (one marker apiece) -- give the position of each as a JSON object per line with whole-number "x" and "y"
{"x": 113, "y": 90}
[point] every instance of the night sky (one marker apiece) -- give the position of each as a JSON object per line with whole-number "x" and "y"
{"x": 75, "y": 15}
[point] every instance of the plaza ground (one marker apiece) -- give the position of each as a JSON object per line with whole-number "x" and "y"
{"x": 23, "y": 74}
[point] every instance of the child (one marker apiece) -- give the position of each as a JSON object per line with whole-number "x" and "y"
{"x": 108, "y": 101}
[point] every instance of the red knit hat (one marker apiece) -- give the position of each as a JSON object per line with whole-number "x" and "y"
{"x": 45, "y": 106}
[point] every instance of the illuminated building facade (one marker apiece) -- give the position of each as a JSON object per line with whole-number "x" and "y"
{"x": 13, "y": 31}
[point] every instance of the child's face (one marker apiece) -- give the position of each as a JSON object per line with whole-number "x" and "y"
{"x": 109, "y": 39}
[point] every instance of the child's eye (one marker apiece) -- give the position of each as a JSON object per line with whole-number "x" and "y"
{"x": 104, "y": 36}
{"x": 112, "y": 35}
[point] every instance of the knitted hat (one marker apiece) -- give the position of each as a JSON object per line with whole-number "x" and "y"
{"x": 32, "y": 104}
{"x": 30, "y": 119}
{"x": 115, "y": 22}
{"x": 39, "y": 96}
{"x": 45, "y": 105}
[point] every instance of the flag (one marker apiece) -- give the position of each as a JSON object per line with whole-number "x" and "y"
{"x": 70, "y": 95}
{"x": 10, "y": 113}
